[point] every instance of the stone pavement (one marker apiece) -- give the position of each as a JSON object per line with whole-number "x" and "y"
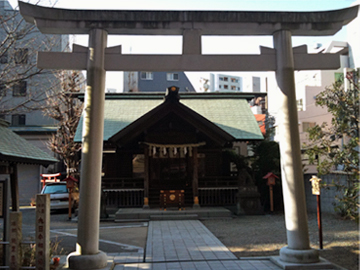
{"x": 185, "y": 244}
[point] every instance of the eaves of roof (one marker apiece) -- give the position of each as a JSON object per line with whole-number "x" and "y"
{"x": 14, "y": 148}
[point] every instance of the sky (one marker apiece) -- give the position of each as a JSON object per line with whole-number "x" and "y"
{"x": 229, "y": 45}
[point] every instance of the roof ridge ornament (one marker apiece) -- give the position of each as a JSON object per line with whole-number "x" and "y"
{"x": 172, "y": 94}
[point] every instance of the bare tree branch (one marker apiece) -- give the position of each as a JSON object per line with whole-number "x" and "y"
{"x": 19, "y": 43}
{"x": 66, "y": 109}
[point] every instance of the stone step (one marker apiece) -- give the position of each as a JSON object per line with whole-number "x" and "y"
{"x": 146, "y": 214}
{"x": 174, "y": 217}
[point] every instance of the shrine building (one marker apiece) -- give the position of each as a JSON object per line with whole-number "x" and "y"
{"x": 172, "y": 150}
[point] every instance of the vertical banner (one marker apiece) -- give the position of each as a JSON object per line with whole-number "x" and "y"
{"x": 15, "y": 240}
{"x": 42, "y": 232}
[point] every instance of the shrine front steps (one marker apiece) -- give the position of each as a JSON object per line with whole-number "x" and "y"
{"x": 175, "y": 217}
{"x": 139, "y": 214}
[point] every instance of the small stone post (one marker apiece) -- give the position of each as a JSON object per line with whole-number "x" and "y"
{"x": 15, "y": 239}
{"x": 42, "y": 232}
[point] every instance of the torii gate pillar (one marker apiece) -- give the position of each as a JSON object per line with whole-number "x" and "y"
{"x": 87, "y": 254}
{"x": 298, "y": 249}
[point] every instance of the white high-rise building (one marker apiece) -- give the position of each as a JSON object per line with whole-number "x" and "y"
{"x": 232, "y": 83}
{"x": 225, "y": 83}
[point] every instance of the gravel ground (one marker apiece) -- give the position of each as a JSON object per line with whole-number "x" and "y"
{"x": 253, "y": 236}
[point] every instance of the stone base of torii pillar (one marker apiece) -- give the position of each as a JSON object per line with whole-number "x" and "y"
{"x": 77, "y": 261}
{"x": 321, "y": 264}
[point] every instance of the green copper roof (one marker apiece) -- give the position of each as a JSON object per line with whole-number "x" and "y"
{"x": 230, "y": 113}
{"x": 34, "y": 129}
{"x": 15, "y": 148}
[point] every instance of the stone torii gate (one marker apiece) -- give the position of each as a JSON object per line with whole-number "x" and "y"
{"x": 97, "y": 59}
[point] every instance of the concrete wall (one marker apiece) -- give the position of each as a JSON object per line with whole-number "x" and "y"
{"x": 327, "y": 196}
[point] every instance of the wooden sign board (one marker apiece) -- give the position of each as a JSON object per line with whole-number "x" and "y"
{"x": 271, "y": 181}
{"x": 315, "y": 183}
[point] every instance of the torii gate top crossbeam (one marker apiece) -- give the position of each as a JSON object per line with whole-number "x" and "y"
{"x": 150, "y": 22}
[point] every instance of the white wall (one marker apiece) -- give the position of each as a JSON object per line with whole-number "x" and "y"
{"x": 29, "y": 182}
{"x": 353, "y": 37}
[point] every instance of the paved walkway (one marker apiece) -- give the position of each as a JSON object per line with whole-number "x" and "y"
{"x": 185, "y": 245}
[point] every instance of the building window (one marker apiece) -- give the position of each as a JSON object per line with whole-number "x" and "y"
{"x": 234, "y": 80}
{"x": 146, "y": 75}
{"x": 221, "y": 78}
{"x": 2, "y": 89}
{"x": 4, "y": 58}
{"x": 226, "y": 86}
{"x": 19, "y": 89}
{"x": 21, "y": 56}
{"x": 220, "y": 86}
{"x": 233, "y": 87}
{"x": 172, "y": 76}
{"x": 300, "y": 106}
{"x": 226, "y": 79}
{"x": 18, "y": 119}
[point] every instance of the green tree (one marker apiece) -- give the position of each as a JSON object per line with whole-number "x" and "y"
{"x": 266, "y": 159}
{"x": 335, "y": 146}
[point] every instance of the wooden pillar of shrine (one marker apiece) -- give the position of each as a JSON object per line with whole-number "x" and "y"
{"x": 195, "y": 182}
{"x": 146, "y": 177}
{"x": 14, "y": 184}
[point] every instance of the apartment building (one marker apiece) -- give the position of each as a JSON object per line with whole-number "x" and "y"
{"x": 22, "y": 85}
{"x": 23, "y": 90}
{"x": 143, "y": 81}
